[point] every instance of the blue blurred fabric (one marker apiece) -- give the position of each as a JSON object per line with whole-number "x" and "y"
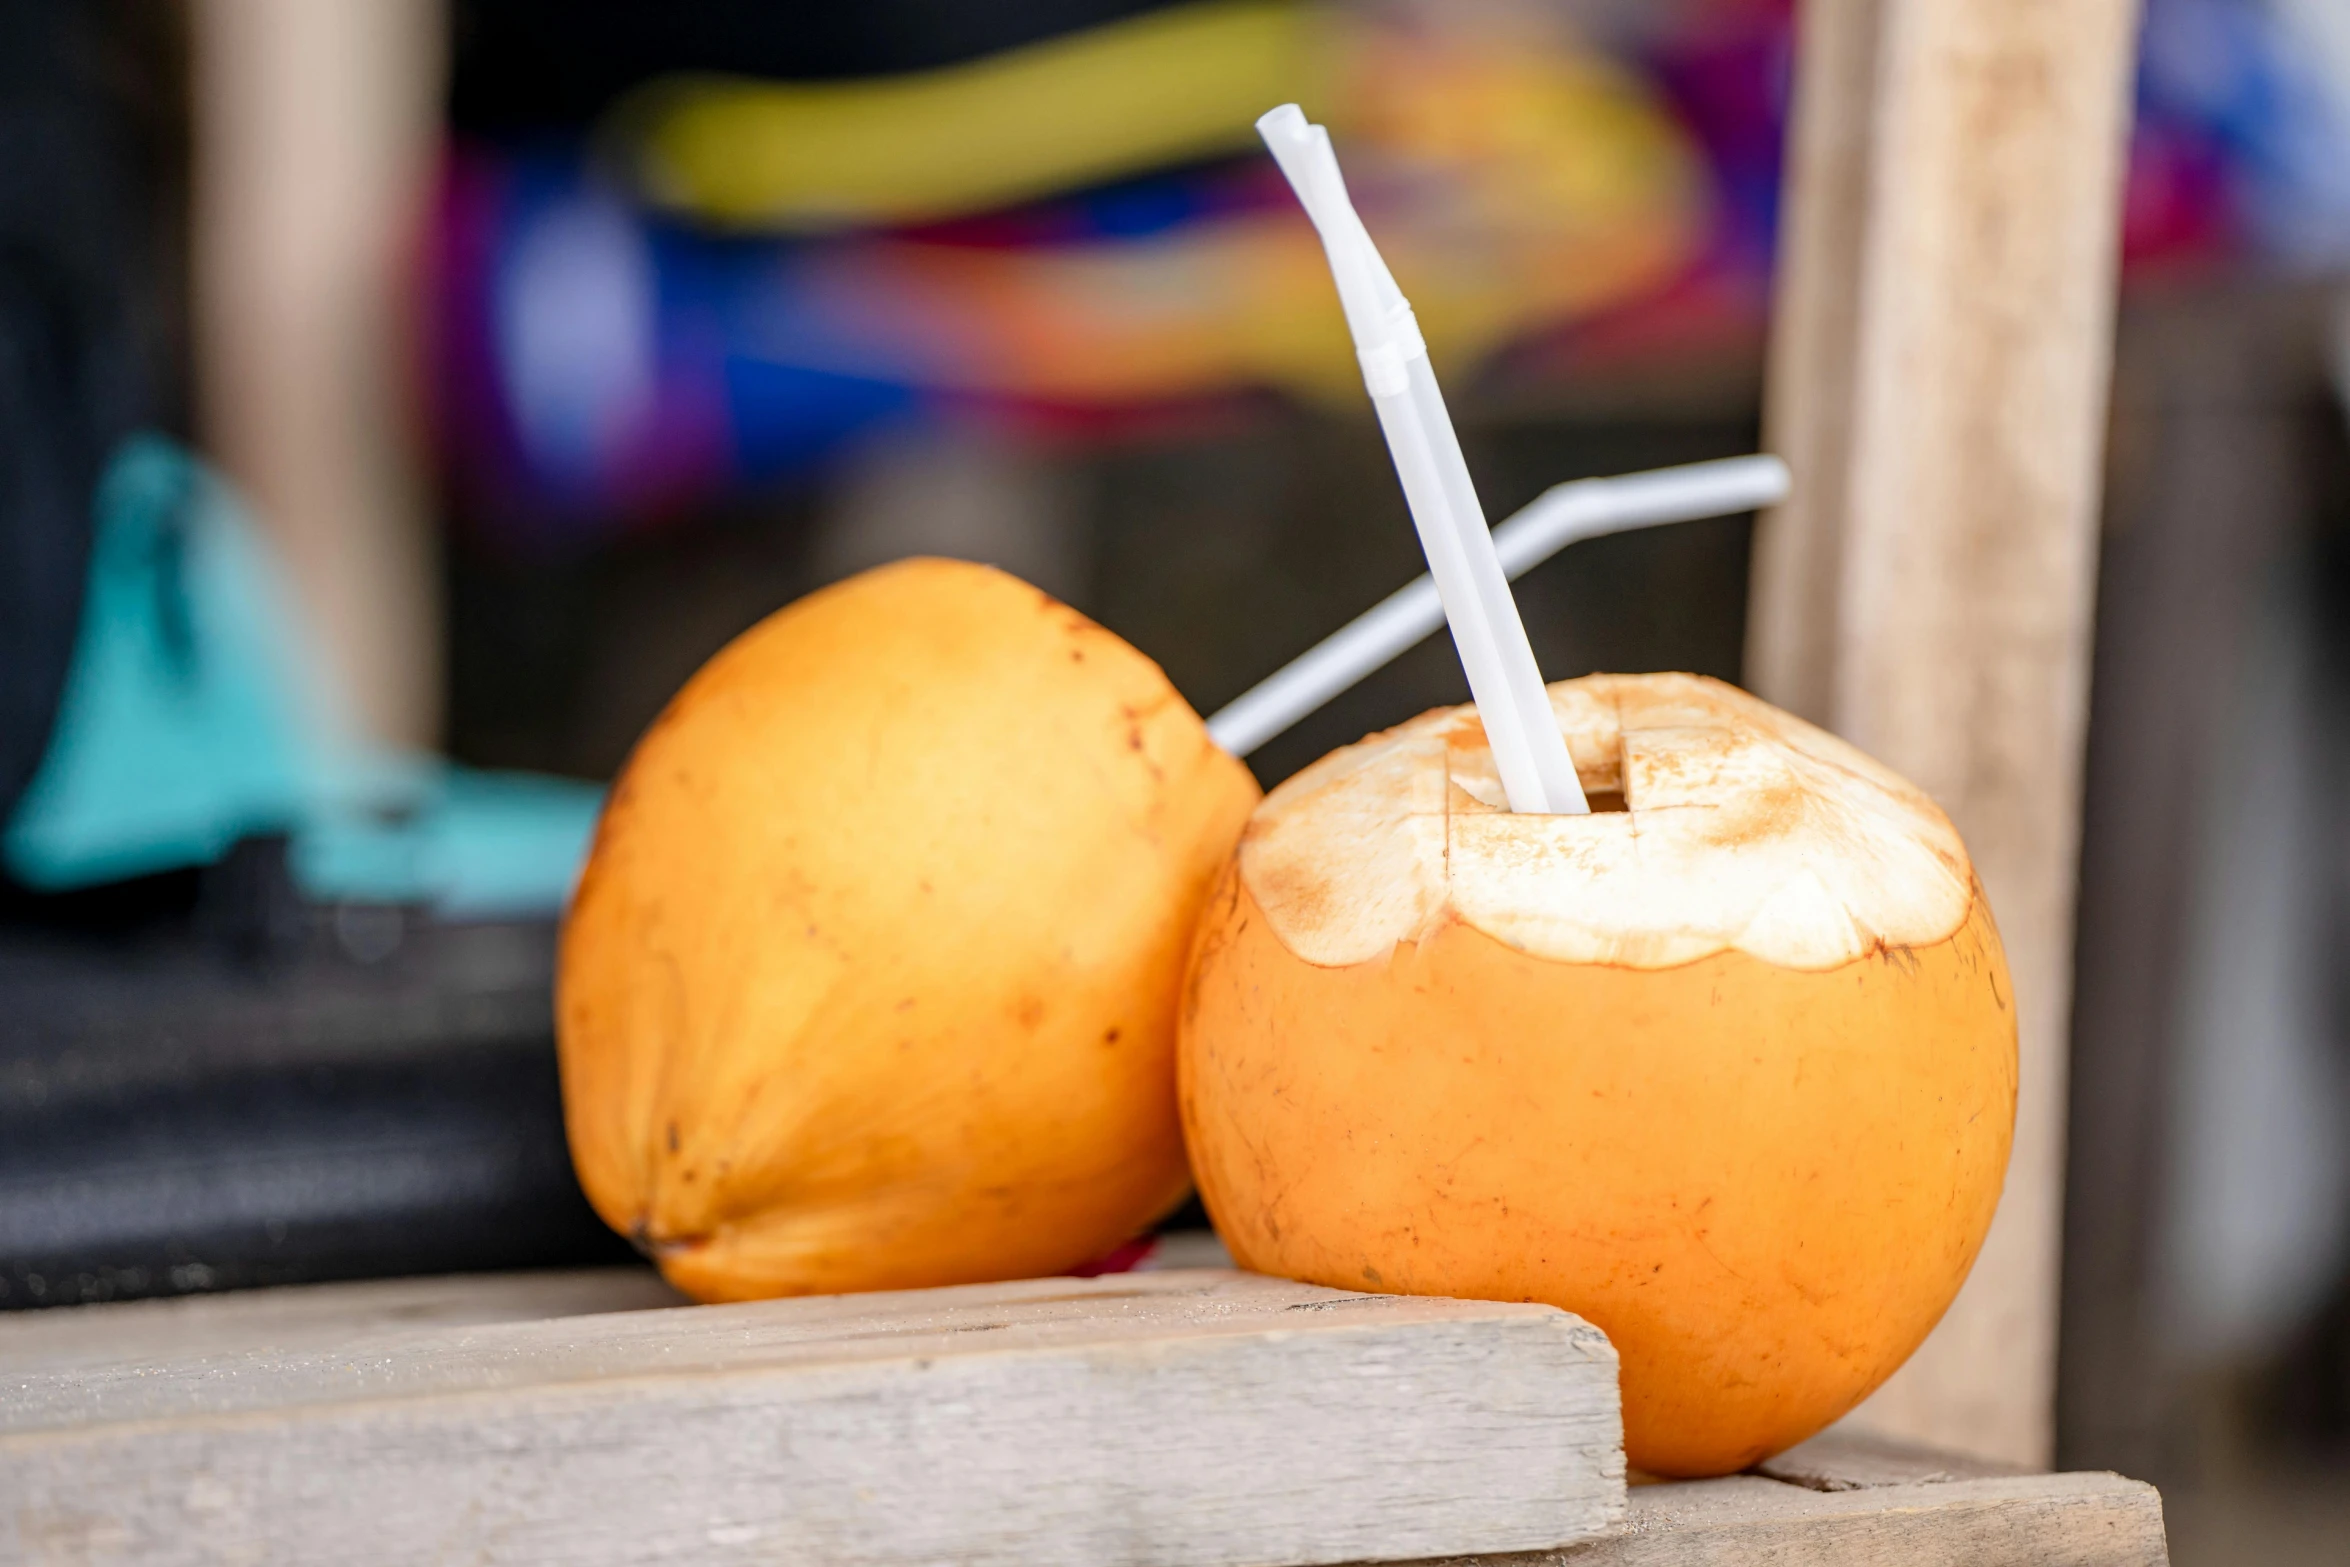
{"x": 195, "y": 714}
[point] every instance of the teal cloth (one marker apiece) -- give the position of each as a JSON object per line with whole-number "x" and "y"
{"x": 193, "y": 717}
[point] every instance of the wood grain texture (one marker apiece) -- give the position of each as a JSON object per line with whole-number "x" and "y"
{"x": 2083, "y": 1520}
{"x": 1939, "y": 379}
{"x": 324, "y": 1316}
{"x": 1176, "y": 1417}
{"x": 1841, "y": 1459}
{"x": 1847, "y": 1500}
{"x": 1814, "y": 357}
{"x": 313, "y": 1316}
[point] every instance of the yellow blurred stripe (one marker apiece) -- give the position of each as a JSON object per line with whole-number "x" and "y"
{"x": 1113, "y": 100}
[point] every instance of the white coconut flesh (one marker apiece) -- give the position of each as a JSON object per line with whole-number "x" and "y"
{"x": 1741, "y": 828}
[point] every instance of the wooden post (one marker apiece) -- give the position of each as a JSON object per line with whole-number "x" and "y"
{"x": 1938, "y": 383}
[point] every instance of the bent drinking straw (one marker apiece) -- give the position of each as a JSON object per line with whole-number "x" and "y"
{"x": 1528, "y": 750}
{"x": 1560, "y": 516}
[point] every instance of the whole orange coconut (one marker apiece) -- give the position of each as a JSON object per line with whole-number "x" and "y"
{"x": 870, "y": 981}
{"x": 1726, "y": 1067}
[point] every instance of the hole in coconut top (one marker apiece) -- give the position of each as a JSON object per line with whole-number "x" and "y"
{"x": 1603, "y": 786}
{"x": 1604, "y": 793}
{"x": 1476, "y": 785}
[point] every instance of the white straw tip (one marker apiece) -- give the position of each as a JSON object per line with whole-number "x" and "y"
{"x": 1287, "y": 124}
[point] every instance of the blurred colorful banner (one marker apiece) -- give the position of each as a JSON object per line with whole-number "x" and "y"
{"x": 728, "y": 278}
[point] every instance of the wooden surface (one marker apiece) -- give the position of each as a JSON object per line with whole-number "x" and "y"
{"x": 1174, "y": 1417}
{"x": 1842, "y": 1500}
{"x": 1842, "y": 1458}
{"x": 2090, "y": 1520}
{"x": 1937, "y": 382}
{"x": 312, "y": 1316}
{"x": 1814, "y": 357}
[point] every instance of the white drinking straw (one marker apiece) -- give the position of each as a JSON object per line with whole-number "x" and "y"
{"x": 1561, "y": 515}
{"x": 1528, "y": 751}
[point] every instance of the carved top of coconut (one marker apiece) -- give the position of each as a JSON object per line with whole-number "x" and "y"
{"x": 1720, "y": 823}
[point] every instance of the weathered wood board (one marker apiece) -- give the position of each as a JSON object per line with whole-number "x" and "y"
{"x": 1845, "y": 1501}
{"x": 1178, "y": 1417}
{"x": 2078, "y": 1520}
{"x": 313, "y": 1316}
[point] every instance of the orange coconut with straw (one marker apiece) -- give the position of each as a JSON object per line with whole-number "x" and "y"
{"x": 1729, "y": 1068}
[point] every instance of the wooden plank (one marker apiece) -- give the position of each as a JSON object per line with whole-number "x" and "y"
{"x": 1176, "y": 1417}
{"x": 2076, "y": 1520}
{"x": 323, "y": 1316}
{"x": 1814, "y": 357}
{"x": 1847, "y": 1500}
{"x": 1841, "y": 1459}
{"x": 1938, "y": 383}
{"x": 313, "y": 1316}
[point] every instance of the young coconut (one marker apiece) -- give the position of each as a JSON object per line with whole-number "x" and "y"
{"x": 1727, "y": 1069}
{"x": 870, "y": 980}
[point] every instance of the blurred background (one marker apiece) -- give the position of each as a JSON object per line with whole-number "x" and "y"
{"x": 399, "y": 399}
